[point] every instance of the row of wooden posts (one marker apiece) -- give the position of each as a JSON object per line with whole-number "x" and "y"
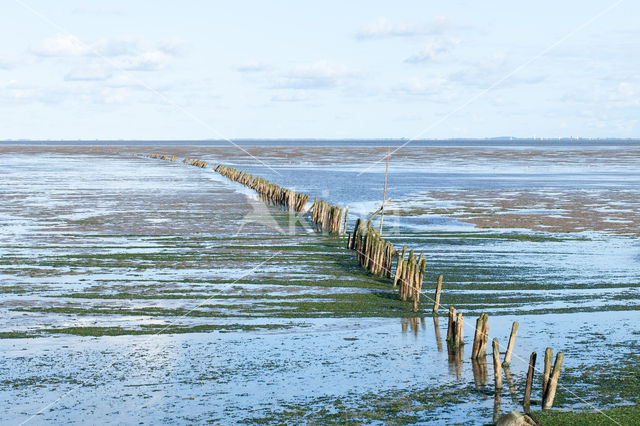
{"x": 293, "y": 201}
{"x": 327, "y": 217}
{"x": 164, "y": 157}
{"x": 375, "y": 254}
{"x": 198, "y": 163}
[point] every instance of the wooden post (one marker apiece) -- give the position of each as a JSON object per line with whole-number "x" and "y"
{"x": 476, "y": 338}
{"x": 349, "y": 240}
{"x": 497, "y": 367}
{"x": 416, "y": 282}
{"x": 399, "y": 267}
{"x": 512, "y": 340}
{"x": 436, "y": 301}
{"x": 451, "y": 328}
{"x": 526, "y": 405}
{"x": 423, "y": 267}
{"x": 480, "y": 338}
{"x": 459, "y": 335}
{"x": 355, "y": 233}
{"x": 548, "y": 357}
{"x": 550, "y": 394}
{"x": 344, "y": 227}
{"x": 484, "y": 334}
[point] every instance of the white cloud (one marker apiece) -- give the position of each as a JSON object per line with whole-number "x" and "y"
{"x": 67, "y": 45}
{"x": 435, "y": 89}
{"x": 100, "y": 11}
{"x": 61, "y": 45}
{"x": 128, "y": 53}
{"x": 15, "y": 92}
{"x": 319, "y": 75}
{"x": 297, "y": 96}
{"x": 383, "y": 28}
{"x": 621, "y": 95}
{"x": 492, "y": 69}
{"x": 92, "y": 72}
{"x": 7, "y": 63}
{"x": 432, "y": 50}
{"x": 174, "y": 46}
{"x": 626, "y": 92}
{"x": 146, "y": 61}
{"x": 253, "y": 66}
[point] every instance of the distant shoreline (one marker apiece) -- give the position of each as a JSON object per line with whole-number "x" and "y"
{"x": 498, "y": 142}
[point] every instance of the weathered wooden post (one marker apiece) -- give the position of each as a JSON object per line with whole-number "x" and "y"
{"x": 526, "y": 405}
{"x": 550, "y": 393}
{"x": 548, "y": 357}
{"x": 436, "y": 299}
{"x": 497, "y": 367}
{"x": 459, "y": 337}
{"x": 344, "y": 227}
{"x": 355, "y": 233}
{"x": 512, "y": 339}
{"x": 480, "y": 338}
{"x": 416, "y": 282}
{"x": 452, "y": 325}
{"x": 398, "y": 275}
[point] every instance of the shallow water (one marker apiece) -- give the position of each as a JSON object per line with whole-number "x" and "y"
{"x": 100, "y": 237}
{"x": 233, "y": 376}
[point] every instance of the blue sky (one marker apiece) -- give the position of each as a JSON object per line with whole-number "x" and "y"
{"x": 332, "y": 69}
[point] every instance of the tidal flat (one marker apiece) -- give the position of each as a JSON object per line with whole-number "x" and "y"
{"x": 134, "y": 289}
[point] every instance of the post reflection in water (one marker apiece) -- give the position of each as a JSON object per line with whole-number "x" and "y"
{"x": 497, "y": 399}
{"x": 455, "y": 355}
{"x": 480, "y": 375}
{"x": 436, "y": 326}
{"x": 413, "y": 323}
{"x": 512, "y": 386}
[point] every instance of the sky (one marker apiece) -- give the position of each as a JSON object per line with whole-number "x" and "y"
{"x": 154, "y": 69}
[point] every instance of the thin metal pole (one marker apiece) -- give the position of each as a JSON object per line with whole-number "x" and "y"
{"x": 384, "y": 194}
